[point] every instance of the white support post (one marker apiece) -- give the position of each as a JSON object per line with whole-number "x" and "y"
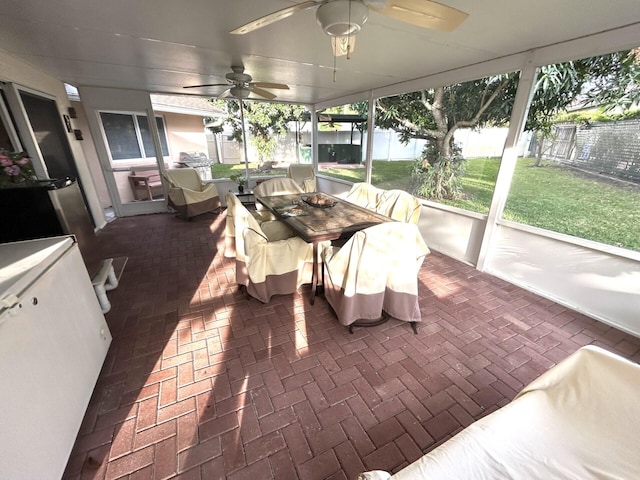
{"x": 314, "y": 137}
{"x": 371, "y": 125}
{"x": 524, "y": 95}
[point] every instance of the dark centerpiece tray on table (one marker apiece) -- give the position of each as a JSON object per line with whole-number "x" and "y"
{"x": 319, "y": 201}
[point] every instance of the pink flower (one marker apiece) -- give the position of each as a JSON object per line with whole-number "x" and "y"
{"x": 22, "y": 161}
{"x": 12, "y": 170}
{"x": 5, "y": 161}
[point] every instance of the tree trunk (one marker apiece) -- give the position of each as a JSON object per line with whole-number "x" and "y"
{"x": 539, "y": 145}
{"x": 444, "y": 149}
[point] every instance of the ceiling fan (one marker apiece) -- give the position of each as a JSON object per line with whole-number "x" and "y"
{"x": 344, "y": 18}
{"x": 241, "y": 85}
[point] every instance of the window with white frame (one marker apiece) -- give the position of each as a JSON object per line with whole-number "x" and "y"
{"x": 129, "y": 137}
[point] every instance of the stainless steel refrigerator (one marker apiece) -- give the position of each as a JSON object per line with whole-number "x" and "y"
{"x": 49, "y": 208}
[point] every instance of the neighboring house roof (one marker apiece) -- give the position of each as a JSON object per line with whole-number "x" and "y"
{"x": 187, "y": 105}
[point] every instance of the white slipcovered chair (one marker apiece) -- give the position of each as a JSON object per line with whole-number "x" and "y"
{"x": 277, "y": 186}
{"x": 274, "y": 229}
{"x": 304, "y": 175}
{"x": 399, "y": 205}
{"x": 269, "y": 188}
{"x": 264, "y": 267}
{"x": 364, "y": 194}
{"x": 188, "y": 195}
{"x": 375, "y": 275}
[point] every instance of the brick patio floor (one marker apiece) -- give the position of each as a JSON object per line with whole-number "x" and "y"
{"x": 200, "y": 382}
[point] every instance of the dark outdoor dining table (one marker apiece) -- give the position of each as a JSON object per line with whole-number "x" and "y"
{"x": 316, "y": 224}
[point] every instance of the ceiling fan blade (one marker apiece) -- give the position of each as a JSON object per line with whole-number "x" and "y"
{"x": 280, "y": 86}
{"x": 273, "y": 17}
{"x": 423, "y": 13}
{"x": 263, "y": 93}
{"x": 208, "y": 85}
{"x": 225, "y": 94}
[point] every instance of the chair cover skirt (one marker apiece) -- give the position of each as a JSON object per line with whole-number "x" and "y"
{"x": 282, "y": 284}
{"x": 358, "y": 306}
{"x": 194, "y": 209}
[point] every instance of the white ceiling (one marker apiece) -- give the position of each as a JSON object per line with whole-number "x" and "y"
{"x": 161, "y": 45}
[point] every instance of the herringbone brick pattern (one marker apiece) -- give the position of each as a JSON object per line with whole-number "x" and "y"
{"x": 202, "y": 383}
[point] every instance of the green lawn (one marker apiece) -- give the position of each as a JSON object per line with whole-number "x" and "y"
{"x": 574, "y": 203}
{"x": 551, "y": 197}
{"x": 351, "y": 174}
{"x": 384, "y": 174}
{"x": 558, "y": 199}
{"x": 477, "y": 185}
{"x": 220, "y": 170}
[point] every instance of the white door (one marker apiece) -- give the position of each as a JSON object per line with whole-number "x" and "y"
{"x": 132, "y": 145}
{"x": 136, "y": 178}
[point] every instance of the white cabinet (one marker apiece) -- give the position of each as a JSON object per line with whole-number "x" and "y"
{"x": 53, "y": 341}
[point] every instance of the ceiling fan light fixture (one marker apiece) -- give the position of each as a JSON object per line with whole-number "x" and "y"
{"x": 240, "y": 92}
{"x": 342, "y": 17}
{"x": 238, "y": 76}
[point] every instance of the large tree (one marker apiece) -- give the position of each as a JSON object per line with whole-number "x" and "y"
{"x": 266, "y": 123}
{"x": 436, "y": 114}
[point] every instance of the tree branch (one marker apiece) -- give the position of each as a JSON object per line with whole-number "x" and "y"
{"x": 416, "y": 130}
{"x": 425, "y": 101}
{"x": 476, "y": 118}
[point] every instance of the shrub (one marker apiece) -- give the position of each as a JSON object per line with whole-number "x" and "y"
{"x": 438, "y": 177}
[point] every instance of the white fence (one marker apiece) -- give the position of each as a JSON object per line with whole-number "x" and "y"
{"x": 487, "y": 142}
